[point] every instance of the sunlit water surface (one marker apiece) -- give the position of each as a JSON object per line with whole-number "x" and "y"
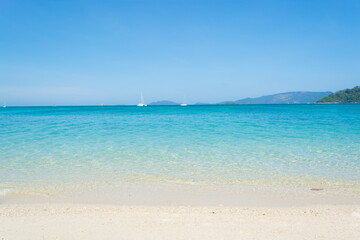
{"x": 289, "y": 145}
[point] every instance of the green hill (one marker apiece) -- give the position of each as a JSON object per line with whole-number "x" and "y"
{"x": 283, "y": 98}
{"x": 344, "y": 96}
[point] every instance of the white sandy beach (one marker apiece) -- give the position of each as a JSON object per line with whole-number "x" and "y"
{"x": 71, "y": 221}
{"x": 183, "y": 212}
{"x": 179, "y": 120}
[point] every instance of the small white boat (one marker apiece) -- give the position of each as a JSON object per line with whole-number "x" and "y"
{"x": 184, "y": 102}
{"x": 142, "y": 104}
{"x": 4, "y": 106}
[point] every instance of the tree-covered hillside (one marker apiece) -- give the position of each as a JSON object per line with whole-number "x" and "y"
{"x": 283, "y": 98}
{"x": 344, "y": 96}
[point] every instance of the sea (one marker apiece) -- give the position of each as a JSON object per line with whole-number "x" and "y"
{"x": 51, "y": 148}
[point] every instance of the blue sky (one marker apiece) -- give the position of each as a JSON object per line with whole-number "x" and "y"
{"x": 93, "y": 52}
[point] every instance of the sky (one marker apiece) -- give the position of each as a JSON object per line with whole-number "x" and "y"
{"x": 94, "y": 52}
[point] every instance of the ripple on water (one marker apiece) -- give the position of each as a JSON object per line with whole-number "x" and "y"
{"x": 299, "y": 145}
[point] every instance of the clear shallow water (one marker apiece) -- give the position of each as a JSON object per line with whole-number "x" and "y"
{"x": 292, "y": 145}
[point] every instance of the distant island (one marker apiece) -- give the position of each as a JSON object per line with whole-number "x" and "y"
{"x": 283, "y": 98}
{"x": 201, "y": 103}
{"x": 164, "y": 102}
{"x": 344, "y": 96}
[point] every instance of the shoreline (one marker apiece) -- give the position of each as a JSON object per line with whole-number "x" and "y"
{"x": 187, "y": 195}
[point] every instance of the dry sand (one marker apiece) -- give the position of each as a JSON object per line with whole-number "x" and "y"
{"x": 71, "y": 221}
{"x": 178, "y": 212}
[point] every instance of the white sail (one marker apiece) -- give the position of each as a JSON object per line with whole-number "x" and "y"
{"x": 141, "y": 104}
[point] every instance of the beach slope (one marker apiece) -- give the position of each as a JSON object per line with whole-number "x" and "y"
{"x": 70, "y": 221}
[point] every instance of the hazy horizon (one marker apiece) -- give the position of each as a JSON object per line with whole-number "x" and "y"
{"x": 155, "y": 101}
{"x": 107, "y": 52}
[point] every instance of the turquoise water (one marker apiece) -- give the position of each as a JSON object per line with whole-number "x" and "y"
{"x": 247, "y": 144}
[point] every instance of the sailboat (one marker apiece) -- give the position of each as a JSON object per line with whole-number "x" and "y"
{"x": 142, "y": 104}
{"x": 4, "y": 106}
